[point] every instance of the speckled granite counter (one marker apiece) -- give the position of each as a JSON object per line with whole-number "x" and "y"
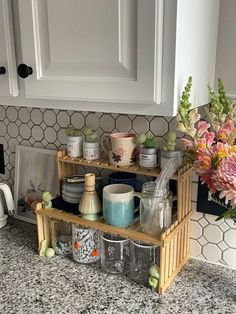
{"x": 32, "y": 284}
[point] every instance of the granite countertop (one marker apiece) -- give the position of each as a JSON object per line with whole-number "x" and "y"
{"x": 33, "y": 284}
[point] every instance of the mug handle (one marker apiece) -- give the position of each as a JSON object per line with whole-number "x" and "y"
{"x": 136, "y": 211}
{"x": 105, "y": 141}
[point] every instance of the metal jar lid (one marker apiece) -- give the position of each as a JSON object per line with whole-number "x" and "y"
{"x": 172, "y": 154}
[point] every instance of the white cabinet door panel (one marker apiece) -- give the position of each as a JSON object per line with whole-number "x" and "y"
{"x": 93, "y": 50}
{"x": 8, "y": 81}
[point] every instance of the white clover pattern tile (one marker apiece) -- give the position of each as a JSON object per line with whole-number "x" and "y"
{"x": 222, "y": 245}
{"x": 107, "y": 123}
{"x": 212, "y": 234}
{"x": 229, "y": 256}
{"x": 92, "y": 120}
{"x": 63, "y": 119}
{"x": 140, "y": 125}
{"x": 212, "y": 219}
{"x": 158, "y": 126}
{"x": 49, "y": 117}
{"x": 36, "y": 116}
{"x": 50, "y": 135}
{"x": 230, "y": 238}
{"x": 196, "y": 230}
{"x": 24, "y": 115}
{"x": 37, "y": 133}
{"x": 12, "y": 129}
{"x": 123, "y": 124}
{"x": 2, "y": 113}
{"x": 202, "y": 221}
{"x": 77, "y": 120}
{"x": 210, "y": 240}
{"x": 223, "y": 226}
{"x": 211, "y": 252}
{"x": 12, "y": 114}
{"x": 202, "y": 241}
{"x": 3, "y": 129}
{"x": 195, "y": 248}
{"x": 230, "y": 223}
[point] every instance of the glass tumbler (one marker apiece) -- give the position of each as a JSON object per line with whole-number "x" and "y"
{"x": 86, "y": 244}
{"x": 114, "y": 254}
{"x": 155, "y": 209}
{"x": 142, "y": 256}
{"x": 61, "y": 237}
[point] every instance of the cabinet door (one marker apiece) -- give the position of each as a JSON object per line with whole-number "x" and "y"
{"x": 226, "y": 46}
{"x": 96, "y": 51}
{"x": 8, "y": 77}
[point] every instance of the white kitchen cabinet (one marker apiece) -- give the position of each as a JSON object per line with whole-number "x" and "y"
{"x": 8, "y": 75}
{"x": 226, "y": 47}
{"x": 127, "y": 56}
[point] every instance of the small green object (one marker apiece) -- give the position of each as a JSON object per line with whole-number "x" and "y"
{"x": 149, "y": 143}
{"x": 73, "y": 132}
{"x": 153, "y": 282}
{"x": 46, "y": 198}
{"x": 92, "y": 138}
{"x": 170, "y": 142}
{"x": 49, "y": 252}
{"x": 43, "y": 248}
{"x": 141, "y": 138}
{"x": 87, "y": 130}
{"x": 154, "y": 271}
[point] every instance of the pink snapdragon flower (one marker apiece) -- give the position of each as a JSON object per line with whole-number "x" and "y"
{"x": 202, "y": 127}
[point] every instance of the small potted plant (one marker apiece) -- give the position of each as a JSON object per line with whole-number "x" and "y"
{"x": 91, "y": 145}
{"x": 148, "y": 151}
{"x": 169, "y": 150}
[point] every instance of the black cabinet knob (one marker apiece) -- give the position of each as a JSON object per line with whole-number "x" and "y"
{"x": 24, "y": 70}
{"x": 2, "y": 70}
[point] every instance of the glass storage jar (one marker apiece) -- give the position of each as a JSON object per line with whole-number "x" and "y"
{"x": 86, "y": 244}
{"x": 155, "y": 209}
{"x": 142, "y": 256}
{"x": 61, "y": 237}
{"x": 114, "y": 254}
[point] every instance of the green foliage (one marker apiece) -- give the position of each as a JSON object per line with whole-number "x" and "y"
{"x": 185, "y": 105}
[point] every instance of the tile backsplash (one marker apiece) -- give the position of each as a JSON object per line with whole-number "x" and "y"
{"x": 45, "y": 128}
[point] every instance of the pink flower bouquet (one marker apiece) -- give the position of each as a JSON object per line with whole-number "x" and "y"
{"x": 210, "y": 145}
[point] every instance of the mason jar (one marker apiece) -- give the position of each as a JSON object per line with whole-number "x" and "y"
{"x": 114, "y": 254}
{"x": 142, "y": 257}
{"x": 61, "y": 234}
{"x": 155, "y": 209}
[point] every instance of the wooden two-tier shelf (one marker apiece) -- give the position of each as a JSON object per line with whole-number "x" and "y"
{"x": 173, "y": 243}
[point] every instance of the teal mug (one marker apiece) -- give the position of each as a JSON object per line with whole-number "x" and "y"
{"x": 118, "y": 204}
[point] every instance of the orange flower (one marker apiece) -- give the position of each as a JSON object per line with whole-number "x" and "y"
{"x": 76, "y": 245}
{"x": 95, "y": 253}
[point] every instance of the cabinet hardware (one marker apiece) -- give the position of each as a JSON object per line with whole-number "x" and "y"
{"x": 24, "y": 70}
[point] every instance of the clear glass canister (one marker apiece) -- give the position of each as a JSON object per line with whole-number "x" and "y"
{"x": 114, "y": 254}
{"x": 86, "y": 244}
{"x": 61, "y": 237}
{"x": 142, "y": 256}
{"x": 155, "y": 209}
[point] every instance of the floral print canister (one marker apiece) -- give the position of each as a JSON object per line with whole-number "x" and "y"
{"x": 86, "y": 244}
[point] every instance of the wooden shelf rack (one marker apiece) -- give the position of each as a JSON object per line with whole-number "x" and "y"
{"x": 173, "y": 243}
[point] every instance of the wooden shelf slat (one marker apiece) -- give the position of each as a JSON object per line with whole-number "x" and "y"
{"x": 74, "y": 219}
{"x": 103, "y": 163}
